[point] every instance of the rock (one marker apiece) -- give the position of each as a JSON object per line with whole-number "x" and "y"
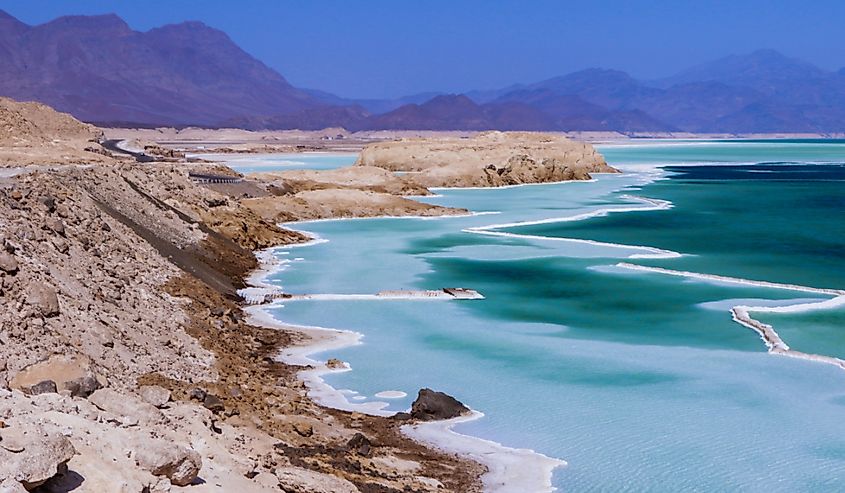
{"x": 128, "y": 410}
{"x": 42, "y": 387}
{"x": 431, "y": 405}
{"x": 83, "y": 386}
{"x": 41, "y": 456}
{"x": 335, "y": 364}
{"x": 299, "y": 480}
{"x": 359, "y": 444}
{"x": 43, "y": 298}
{"x": 8, "y": 263}
{"x": 68, "y": 372}
{"x": 155, "y": 395}
{"x": 303, "y": 428}
{"x": 55, "y": 225}
{"x": 213, "y": 403}
{"x": 180, "y": 465}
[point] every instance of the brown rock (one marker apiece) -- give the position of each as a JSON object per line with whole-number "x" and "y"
{"x": 335, "y": 364}
{"x": 55, "y": 225}
{"x": 64, "y": 370}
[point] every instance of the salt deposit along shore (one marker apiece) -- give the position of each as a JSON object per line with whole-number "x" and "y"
{"x": 508, "y": 469}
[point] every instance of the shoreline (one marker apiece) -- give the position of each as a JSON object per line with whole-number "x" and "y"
{"x": 508, "y": 469}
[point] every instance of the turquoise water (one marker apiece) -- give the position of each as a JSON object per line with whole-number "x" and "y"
{"x": 258, "y": 163}
{"x": 639, "y": 380}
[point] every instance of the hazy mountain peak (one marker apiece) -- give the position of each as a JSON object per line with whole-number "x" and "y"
{"x": 766, "y": 70}
{"x": 105, "y": 22}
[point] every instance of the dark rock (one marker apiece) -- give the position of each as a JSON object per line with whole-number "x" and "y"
{"x": 401, "y": 416}
{"x": 359, "y": 444}
{"x": 431, "y": 405}
{"x": 49, "y": 202}
{"x": 213, "y": 403}
{"x": 83, "y": 386}
{"x": 216, "y": 202}
{"x": 43, "y": 387}
{"x": 197, "y": 394}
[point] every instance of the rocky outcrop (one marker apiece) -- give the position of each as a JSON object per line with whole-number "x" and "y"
{"x": 338, "y": 203}
{"x": 365, "y": 178}
{"x": 490, "y": 159}
{"x": 431, "y": 405}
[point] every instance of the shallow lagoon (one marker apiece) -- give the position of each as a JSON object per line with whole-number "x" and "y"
{"x": 641, "y": 381}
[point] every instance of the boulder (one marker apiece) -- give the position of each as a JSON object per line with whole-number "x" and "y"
{"x": 299, "y": 480}
{"x": 42, "y": 297}
{"x": 32, "y": 456}
{"x": 155, "y": 395}
{"x": 432, "y": 405}
{"x": 180, "y": 465}
{"x": 8, "y": 263}
{"x": 66, "y": 372}
{"x": 127, "y": 410}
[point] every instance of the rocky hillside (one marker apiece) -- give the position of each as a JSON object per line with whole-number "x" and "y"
{"x": 489, "y": 159}
{"x": 33, "y": 133}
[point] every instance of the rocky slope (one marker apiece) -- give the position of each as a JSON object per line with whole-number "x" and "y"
{"x": 489, "y": 159}
{"x": 123, "y": 352}
{"x": 33, "y": 133}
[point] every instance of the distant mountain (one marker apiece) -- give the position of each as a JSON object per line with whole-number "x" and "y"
{"x": 100, "y": 70}
{"x": 766, "y": 71}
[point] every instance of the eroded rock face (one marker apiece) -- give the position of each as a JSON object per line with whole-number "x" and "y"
{"x": 431, "y": 405}
{"x": 490, "y": 159}
{"x": 180, "y": 465}
{"x": 33, "y": 456}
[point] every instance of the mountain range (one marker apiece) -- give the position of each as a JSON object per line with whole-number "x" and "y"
{"x": 101, "y": 71}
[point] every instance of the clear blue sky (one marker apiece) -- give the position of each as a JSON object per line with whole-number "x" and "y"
{"x": 366, "y": 48}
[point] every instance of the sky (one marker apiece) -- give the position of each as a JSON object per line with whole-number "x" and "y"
{"x": 386, "y": 49}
